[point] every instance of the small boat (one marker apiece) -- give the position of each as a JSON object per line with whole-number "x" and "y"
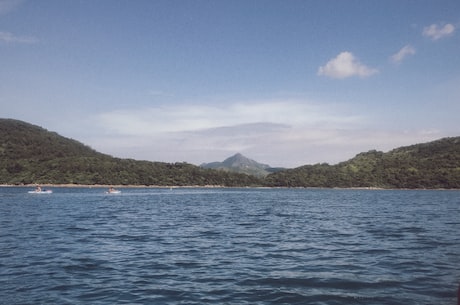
{"x": 40, "y": 192}
{"x": 113, "y": 191}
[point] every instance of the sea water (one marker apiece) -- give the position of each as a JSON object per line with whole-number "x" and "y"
{"x": 229, "y": 246}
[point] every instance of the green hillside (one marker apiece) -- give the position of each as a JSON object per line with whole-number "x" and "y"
{"x": 30, "y": 154}
{"x": 430, "y": 165}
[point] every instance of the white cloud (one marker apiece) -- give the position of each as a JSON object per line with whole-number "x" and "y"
{"x": 345, "y": 65}
{"x": 280, "y": 132}
{"x": 202, "y": 133}
{"x": 9, "y": 38}
{"x": 273, "y": 144}
{"x": 194, "y": 117}
{"x": 403, "y": 53}
{"x": 436, "y": 31}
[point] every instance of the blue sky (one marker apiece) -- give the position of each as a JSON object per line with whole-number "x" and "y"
{"x": 286, "y": 83}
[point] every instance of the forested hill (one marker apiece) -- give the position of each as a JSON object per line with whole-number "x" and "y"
{"x": 430, "y": 165}
{"x": 31, "y": 154}
{"x": 21, "y": 140}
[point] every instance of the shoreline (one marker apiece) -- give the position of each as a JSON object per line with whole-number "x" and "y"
{"x": 108, "y": 185}
{"x": 134, "y": 186}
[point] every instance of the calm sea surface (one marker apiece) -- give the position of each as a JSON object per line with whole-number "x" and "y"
{"x": 229, "y": 246}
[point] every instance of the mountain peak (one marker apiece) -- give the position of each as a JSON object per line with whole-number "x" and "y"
{"x": 241, "y": 164}
{"x": 238, "y": 160}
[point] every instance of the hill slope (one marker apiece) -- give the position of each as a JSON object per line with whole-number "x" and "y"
{"x": 31, "y": 154}
{"x": 430, "y": 165}
{"x": 240, "y": 164}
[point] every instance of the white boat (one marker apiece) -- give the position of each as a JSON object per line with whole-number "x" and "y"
{"x": 113, "y": 191}
{"x": 40, "y": 192}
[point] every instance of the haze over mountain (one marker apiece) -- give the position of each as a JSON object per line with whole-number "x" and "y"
{"x": 241, "y": 164}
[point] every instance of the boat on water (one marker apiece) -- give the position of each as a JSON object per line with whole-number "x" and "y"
{"x": 113, "y": 191}
{"x": 40, "y": 191}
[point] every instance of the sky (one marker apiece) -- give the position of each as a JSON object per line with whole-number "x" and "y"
{"x": 286, "y": 83}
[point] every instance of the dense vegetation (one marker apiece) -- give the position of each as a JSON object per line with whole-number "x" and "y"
{"x": 30, "y": 154}
{"x": 430, "y": 165}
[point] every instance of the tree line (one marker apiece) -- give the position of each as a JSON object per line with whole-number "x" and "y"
{"x": 30, "y": 154}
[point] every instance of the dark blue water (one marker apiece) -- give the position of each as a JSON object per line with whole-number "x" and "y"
{"x": 229, "y": 246}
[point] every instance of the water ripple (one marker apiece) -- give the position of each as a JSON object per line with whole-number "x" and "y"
{"x": 229, "y": 246}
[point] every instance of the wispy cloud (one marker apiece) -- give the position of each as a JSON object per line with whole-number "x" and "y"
{"x": 10, "y": 38}
{"x": 274, "y": 144}
{"x": 345, "y": 65}
{"x": 188, "y": 117}
{"x": 403, "y": 53}
{"x": 7, "y": 6}
{"x": 266, "y": 130}
{"x": 437, "y": 31}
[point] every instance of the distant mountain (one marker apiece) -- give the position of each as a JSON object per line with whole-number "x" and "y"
{"x": 31, "y": 154}
{"x": 241, "y": 164}
{"x": 429, "y": 165}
